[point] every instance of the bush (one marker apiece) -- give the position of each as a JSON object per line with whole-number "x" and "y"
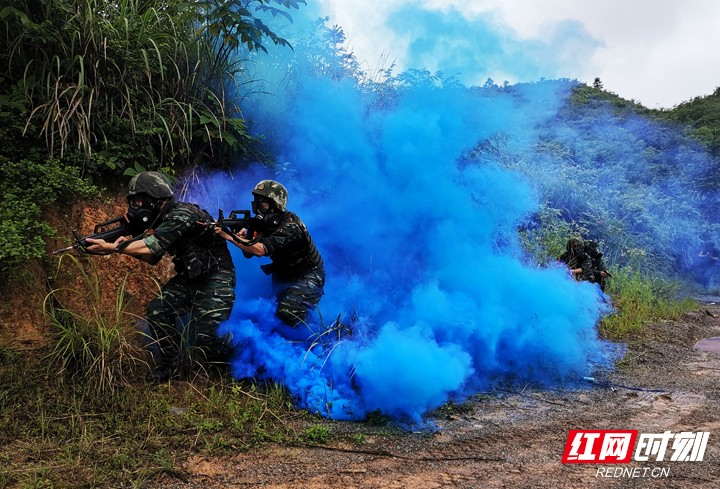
{"x": 546, "y": 236}
{"x": 27, "y": 188}
{"x": 639, "y": 300}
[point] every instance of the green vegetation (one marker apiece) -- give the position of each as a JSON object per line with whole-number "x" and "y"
{"x": 700, "y": 117}
{"x": 596, "y": 97}
{"x": 57, "y": 434}
{"x": 91, "y": 89}
{"x": 121, "y": 81}
{"x": 94, "y": 344}
{"x": 546, "y": 241}
{"x": 639, "y": 300}
{"x": 27, "y": 187}
{"x": 452, "y": 409}
{"x": 317, "y": 433}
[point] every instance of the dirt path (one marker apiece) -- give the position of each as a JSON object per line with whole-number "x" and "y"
{"x": 514, "y": 439}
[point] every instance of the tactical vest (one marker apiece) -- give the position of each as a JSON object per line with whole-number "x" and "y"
{"x": 200, "y": 251}
{"x": 299, "y": 257}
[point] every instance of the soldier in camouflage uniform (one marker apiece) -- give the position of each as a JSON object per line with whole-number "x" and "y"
{"x": 599, "y": 269}
{"x": 577, "y": 260}
{"x": 297, "y": 268}
{"x": 203, "y": 288}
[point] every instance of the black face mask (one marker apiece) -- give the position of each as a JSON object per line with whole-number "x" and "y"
{"x": 268, "y": 218}
{"x": 260, "y": 209}
{"x": 145, "y": 214}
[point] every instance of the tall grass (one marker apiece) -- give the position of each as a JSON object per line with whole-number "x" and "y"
{"x": 95, "y": 343}
{"x": 545, "y": 237}
{"x": 146, "y": 76}
{"x": 639, "y": 300}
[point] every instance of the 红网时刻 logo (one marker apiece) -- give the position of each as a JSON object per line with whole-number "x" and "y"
{"x": 624, "y": 446}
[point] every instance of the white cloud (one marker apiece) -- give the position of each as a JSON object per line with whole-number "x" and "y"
{"x": 658, "y": 52}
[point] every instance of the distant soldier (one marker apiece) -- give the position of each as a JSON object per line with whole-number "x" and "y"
{"x": 297, "y": 269}
{"x": 577, "y": 260}
{"x": 203, "y": 288}
{"x": 599, "y": 270}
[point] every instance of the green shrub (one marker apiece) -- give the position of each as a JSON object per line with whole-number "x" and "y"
{"x": 27, "y": 188}
{"x": 119, "y": 80}
{"x": 316, "y": 433}
{"x": 547, "y": 240}
{"x": 640, "y": 299}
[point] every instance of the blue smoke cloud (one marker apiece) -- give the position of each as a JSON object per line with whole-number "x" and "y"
{"x": 473, "y": 49}
{"x": 420, "y": 241}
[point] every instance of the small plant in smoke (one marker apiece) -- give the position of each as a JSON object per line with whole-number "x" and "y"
{"x": 326, "y": 337}
{"x": 377, "y": 418}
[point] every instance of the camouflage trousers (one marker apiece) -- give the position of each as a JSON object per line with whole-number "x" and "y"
{"x": 185, "y": 316}
{"x": 295, "y": 298}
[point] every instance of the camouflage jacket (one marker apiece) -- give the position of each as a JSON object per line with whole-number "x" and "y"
{"x": 597, "y": 262}
{"x": 580, "y": 260}
{"x": 291, "y": 249}
{"x": 195, "y": 248}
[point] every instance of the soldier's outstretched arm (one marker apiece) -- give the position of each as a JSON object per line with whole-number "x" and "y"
{"x": 136, "y": 248}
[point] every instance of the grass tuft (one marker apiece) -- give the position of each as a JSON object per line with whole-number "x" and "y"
{"x": 639, "y": 300}
{"x": 94, "y": 343}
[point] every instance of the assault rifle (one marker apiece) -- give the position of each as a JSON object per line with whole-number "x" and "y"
{"x": 238, "y": 220}
{"x": 108, "y": 230}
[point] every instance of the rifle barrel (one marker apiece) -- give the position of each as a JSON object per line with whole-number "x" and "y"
{"x": 71, "y": 247}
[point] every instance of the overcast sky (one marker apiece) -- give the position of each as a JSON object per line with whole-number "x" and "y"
{"x": 657, "y": 52}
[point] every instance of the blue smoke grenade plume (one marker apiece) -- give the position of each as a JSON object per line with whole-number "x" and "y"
{"x": 421, "y": 247}
{"x": 473, "y": 48}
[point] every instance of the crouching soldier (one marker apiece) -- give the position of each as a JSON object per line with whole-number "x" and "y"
{"x": 599, "y": 269}
{"x": 201, "y": 293}
{"x": 297, "y": 269}
{"x": 577, "y": 261}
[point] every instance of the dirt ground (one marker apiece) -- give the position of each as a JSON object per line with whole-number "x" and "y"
{"x": 514, "y": 438}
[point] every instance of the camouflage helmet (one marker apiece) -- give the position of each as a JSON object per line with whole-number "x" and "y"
{"x": 274, "y": 191}
{"x": 575, "y": 245}
{"x": 151, "y": 183}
